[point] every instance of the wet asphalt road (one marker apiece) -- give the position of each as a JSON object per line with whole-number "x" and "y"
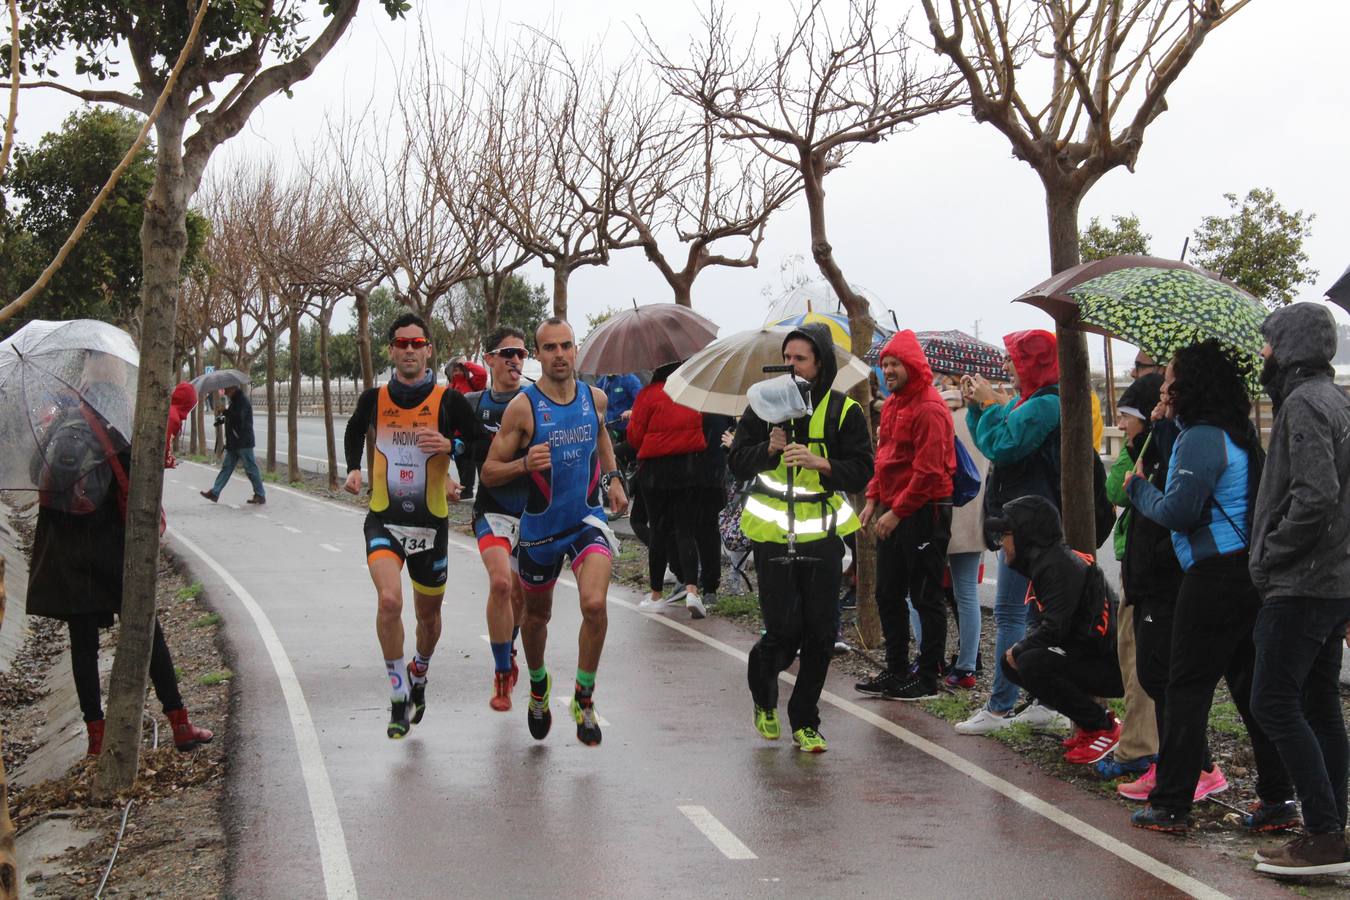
{"x": 321, "y": 803}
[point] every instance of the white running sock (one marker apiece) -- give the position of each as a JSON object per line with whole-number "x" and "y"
{"x": 398, "y": 686}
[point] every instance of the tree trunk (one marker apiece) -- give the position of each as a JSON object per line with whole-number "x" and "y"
{"x": 1075, "y": 386}
{"x": 293, "y": 406}
{"x": 560, "y": 277}
{"x": 861, "y": 329}
{"x": 363, "y": 339}
{"x": 684, "y": 289}
{"x": 163, "y": 243}
{"x": 9, "y": 863}
{"x": 272, "y": 400}
{"x": 327, "y": 377}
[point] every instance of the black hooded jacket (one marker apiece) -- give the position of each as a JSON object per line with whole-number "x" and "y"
{"x": 1300, "y": 530}
{"x": 1071, "y": 607}
{"x": 850, "y": 451}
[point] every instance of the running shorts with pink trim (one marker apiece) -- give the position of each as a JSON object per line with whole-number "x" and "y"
{"x": 541, "y": 563}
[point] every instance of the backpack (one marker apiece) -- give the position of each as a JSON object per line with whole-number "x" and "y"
{"x": 966, "y": 478}
{"x": 729, "y": 521}
{"x": 79, "y": 464}
{"x": 1095, "y": 623}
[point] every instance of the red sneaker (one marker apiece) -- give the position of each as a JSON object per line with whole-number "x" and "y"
{"x": 1074, "y": 739}
{"x": 187, "y": 736}
{"x": 1096, "y": 744}
{"x": 501, "y": 691}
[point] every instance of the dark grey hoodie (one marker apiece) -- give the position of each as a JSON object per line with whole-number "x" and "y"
{"x": 1301, "y": 525}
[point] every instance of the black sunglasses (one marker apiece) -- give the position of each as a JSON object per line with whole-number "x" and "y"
{"x": 510, "y": 352}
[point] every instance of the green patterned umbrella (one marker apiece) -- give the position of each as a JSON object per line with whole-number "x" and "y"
{"x": 1162, "y": 310}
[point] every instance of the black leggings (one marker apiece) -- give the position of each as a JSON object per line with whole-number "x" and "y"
{"x": 84, "y": 664}
{"x": 673, "y": 515}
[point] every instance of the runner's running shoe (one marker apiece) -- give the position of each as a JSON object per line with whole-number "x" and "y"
{"x": 398, "y": 720}
{"x": 417, "y": 697}
{"x": 588, "y": 725}
{"x": 537, "y": 712}
{"x": 766, "y": 723}
{"x": 808, "y": 740}
{"x": 501, "y": 692}
{"x": 1263, "y": 816}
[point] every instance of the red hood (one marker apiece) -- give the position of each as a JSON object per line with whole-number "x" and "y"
{"x": 183, "y": 399}
{"x": 1035, "y": 357}
{"x": 904, "y": 346}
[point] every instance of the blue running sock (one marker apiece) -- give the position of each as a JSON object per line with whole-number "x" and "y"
{"x": 501, "y": 656}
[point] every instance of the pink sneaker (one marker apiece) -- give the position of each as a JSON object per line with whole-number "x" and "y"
{"x": 1140, "y": 788}
{"x": 1210, "y": 783}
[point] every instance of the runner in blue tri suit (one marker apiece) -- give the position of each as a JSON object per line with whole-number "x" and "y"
{"x": 559, "y": 424}
{"x": 496, "y": 513}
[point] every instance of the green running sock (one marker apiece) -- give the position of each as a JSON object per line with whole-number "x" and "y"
{"x": 585, "y": 680}
{"x": 538, "y": 681}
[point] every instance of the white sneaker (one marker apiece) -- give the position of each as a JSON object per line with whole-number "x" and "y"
{"x": 647, "y": 604}
{"x": 1042, "y": 718}
{"x": 694, "y": 604}
{"x": 983, "y": 722}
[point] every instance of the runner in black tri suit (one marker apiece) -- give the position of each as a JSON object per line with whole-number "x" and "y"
{"x": 412, "y": 420}
{"x": 496, "y": 513}
{"x": 553, "y": 433}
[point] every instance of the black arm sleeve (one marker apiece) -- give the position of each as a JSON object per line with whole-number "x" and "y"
{"x": 358, "y": 426}
{"x": 1058, "y": 597}
{"x": 457, "y": 418}
{"x": 851, "y": 461}
{"x": 749, "y": 454}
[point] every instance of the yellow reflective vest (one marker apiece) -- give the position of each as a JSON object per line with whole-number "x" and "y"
{"x": 817, "y": 512}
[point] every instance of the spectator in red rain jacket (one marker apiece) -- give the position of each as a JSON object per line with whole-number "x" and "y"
{"x": 181, "y": 402}
{"x": 909, "y": 508}
{"x": 669, "y": 441}
{"x": 465, "y": 376}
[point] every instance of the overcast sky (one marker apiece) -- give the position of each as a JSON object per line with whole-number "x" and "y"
{"x": 940, "y": 222}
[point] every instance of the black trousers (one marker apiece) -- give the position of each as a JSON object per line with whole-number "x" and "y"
{"x": 708, "y": 538}
{"x": 1211, "y": 639}
{"x": 797, "y": 603}
{"x": 910, "y": 563}
{"x": 1153, "y": 657}
{"x": 1296, "y": 696}
{"x": 84, "y": 665}
{"x": 1068, "y": 684}
{"x": 673, "y": 518}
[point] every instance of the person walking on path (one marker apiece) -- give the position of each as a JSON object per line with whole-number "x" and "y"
{"x": 413, "y": 421}
{"x": 496, "y": 513}
{"x": 75, "y": 574}
{"x": 466, "y": 377}
{"x": 1138, "y": 748}
{"x": 1211, "y": 483}
{"x": 965, "y": 557}
{"x": 909, "y": 508}
{"x": 239, "y": 443}
{"x": 1068, "y": 657}
{"x": 830, "y": 457}
{"x": 1300, "y": 564}
{"x": 553, "y": 433}
{"x": 669, "y": 440}
{"x": 1019, "y": 435}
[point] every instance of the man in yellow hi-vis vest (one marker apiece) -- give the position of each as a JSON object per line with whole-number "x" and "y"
{"x": 825, "y": 457}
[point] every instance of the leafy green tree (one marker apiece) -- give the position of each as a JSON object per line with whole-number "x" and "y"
{"x": 1258, "y": 246}
{"x": 595, "y": 320}
{"x": 523, "y": 305}
{"x": 1124, "y": 235}
{"x": 54, "y": 183}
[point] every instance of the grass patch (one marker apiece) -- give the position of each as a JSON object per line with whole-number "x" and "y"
{"x": 1018, "y": 735}
{"x": 1225, "y": 719}
{"x": 272, "y": 477}
{"x": 298, "y": 485}
{"x": 213, "y": 678}
{"x": 735, "y": 605}
{"x": 1117, "y": 706}
{"x": 207, "y": 620}
{"x": 191, "y": 592}
{"x": 956, "y": 707}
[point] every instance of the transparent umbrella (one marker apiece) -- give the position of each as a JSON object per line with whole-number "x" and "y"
{"x": 80, "y": 371}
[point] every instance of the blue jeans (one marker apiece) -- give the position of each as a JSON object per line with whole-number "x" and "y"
{"x": 1010, "y": 618}
{"x": 233, "y": 458}
{"x": 965, "y": 569}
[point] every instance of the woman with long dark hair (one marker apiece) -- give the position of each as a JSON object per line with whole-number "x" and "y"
{"x": 1212, "y": 479}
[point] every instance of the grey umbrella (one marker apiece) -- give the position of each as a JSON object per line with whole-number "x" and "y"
{"x": 1339, "y": 293}
{"x": 219, "y": 380}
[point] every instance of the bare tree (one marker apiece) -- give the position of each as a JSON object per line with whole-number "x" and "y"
{"x": 1107, "y": 65}
{"x": 803, "y": 107}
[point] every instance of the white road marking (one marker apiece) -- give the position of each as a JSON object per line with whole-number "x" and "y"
{"x": 292, "y": 529}
{"x": 337, "y": 865}
{"x": 232, "y": 505}
{"x": 330, "y": 548}
{"x": 261, "y": 516}
{"x": 721, "y": 836}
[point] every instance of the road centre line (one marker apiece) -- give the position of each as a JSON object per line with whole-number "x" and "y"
{"x": 1141, "y": 860}
{"x": 292, "y": 529}
{"x": 330, "y": 548}
{"x": 337, "y": 867}
{"x": 721, "y": 836}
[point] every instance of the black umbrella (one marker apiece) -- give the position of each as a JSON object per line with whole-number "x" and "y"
{"x": 1339, "y": 293}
